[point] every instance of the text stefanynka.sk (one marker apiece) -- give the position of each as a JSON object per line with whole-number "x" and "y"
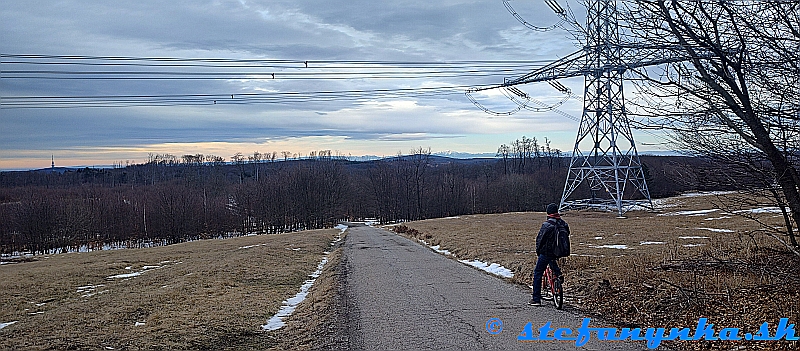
{"x": 654, "y": 336}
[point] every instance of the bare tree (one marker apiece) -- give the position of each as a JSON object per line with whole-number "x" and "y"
{"x": 255, "y": 159}
{"x": 503, "y": 152}
{"x": 737, "y": 88}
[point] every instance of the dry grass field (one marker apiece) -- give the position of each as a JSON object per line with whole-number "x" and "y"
{"x": 202, "y": 295}
{"x": 699, "y": 256}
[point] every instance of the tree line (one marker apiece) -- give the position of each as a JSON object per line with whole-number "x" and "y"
{"x": 174, "y": 199}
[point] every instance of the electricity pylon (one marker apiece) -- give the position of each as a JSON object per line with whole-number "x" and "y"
{"x": 605, "y": 155}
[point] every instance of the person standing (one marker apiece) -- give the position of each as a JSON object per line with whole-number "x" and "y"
{"x": 545, "y": 251}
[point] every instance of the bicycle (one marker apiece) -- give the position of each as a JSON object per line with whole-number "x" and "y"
{"x": 552, "y": 289}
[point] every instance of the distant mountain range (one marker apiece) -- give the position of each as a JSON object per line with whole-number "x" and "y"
{"x": 366, "y": 158}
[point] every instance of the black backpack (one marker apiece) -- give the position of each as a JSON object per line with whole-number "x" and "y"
{"x": 561, "y": 241}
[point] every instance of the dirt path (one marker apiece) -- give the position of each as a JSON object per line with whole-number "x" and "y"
{"x": 401, "y": 295}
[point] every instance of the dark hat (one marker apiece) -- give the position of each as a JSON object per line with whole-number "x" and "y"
{"x": 552, "y": 208}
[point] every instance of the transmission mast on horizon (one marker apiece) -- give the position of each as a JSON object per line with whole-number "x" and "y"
{"x": 605, "y": 156}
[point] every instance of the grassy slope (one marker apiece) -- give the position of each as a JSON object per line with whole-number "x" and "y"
{"x": 737, "y": 277}
{"x": 212, "y": 294}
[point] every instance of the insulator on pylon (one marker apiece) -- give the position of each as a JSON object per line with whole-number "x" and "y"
{"x": 555, "y": 7}
{"x": 518, "y": 92}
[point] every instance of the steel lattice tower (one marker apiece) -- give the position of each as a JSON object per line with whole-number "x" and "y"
{"x": 605, "y": 153}
{"x": 605, "y": 156}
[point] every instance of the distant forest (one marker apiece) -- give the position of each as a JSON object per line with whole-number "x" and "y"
{"x": 173, "y": 199}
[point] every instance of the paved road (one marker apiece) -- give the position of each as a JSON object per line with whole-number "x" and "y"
{"x": 401, "y": 295}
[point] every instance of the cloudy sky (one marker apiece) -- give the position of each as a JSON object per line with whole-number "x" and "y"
{"x": 350, "y": 45}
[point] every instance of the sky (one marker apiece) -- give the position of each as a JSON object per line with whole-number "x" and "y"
{"x": 348, "y": 40}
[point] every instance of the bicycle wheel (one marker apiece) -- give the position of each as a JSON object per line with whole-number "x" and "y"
{"x": 547, "y": 292}
{"x": 558, "y": 296}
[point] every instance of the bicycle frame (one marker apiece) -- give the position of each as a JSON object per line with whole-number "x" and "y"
{"x": 551, "y": 283}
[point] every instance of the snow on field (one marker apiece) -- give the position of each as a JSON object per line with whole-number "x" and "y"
{"x": 657, "y": 204}
{"x": 761, "y": 210}
{"x": 690, "y": 213}
{"x": 89, "y": 290}
{"x": 135, "y": 274}
{"x": 617, "y": 246}
{"x": 492, "y": 268}
{"x": 707, "y": 193}
{"x": 126, "y": 275}
{"x": 716, "y": 218}
{"x": 651, "y": 242}
{"x": 717, "y": 230}
{"x": 288, "y": 306}
{"x": 250, "y": 246}
{"x": 138, "y": 324}
{"x": 692, "y": 245}
{"x": 341, "y": 227}
{"x": 693, "y": 237}
{"x": 3, "y": 325}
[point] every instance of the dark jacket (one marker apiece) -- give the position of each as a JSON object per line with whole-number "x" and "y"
{"x": 546, "y": 239}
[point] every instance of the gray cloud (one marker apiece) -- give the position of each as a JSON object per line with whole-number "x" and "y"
{"x": 276, "y": 29}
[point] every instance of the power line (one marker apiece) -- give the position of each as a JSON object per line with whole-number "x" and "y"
{"x": 28, "y": 102}
{"x": 29, "y": 68}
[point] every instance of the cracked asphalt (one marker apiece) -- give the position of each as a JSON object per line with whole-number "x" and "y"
{"x": 399, "y": 294}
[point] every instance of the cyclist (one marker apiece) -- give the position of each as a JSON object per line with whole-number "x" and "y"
{"x": 545, "y": 246}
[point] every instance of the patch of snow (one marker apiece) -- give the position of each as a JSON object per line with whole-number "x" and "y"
{"x": 35, "y": 313}
{"x": 294, "y": 249}
{"x": 761, "y": 210}
{"x": 94, "y": 293}
{"x": 693, "y": 237}
{"x": 717, "y": 230}
{"x": 3, "y": 325}
{"x": 454, "y": 217}
{"x": 250, "y": 246}
{"x": 288, "y": 307}
{"x": 690, "y": 213}
{"x": 693, "y": 245}
{"x": 651, "y": 242}
{"x": 492, "y": 268}
{"x": 126, "y": 275}
{"x": 129, "y": 267}
{"x": 618, "y": 247}
{"x": 87, "y": 288}
{"x": 138, "y": 324}
{"x": 341, "y": 227}
{"x": 598, "y": 238}
{"x": 707, "y": 193}
{"x": 716, "y": 218}
{"x": 439, "y": 249}
{"x": 339, "y": 237}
